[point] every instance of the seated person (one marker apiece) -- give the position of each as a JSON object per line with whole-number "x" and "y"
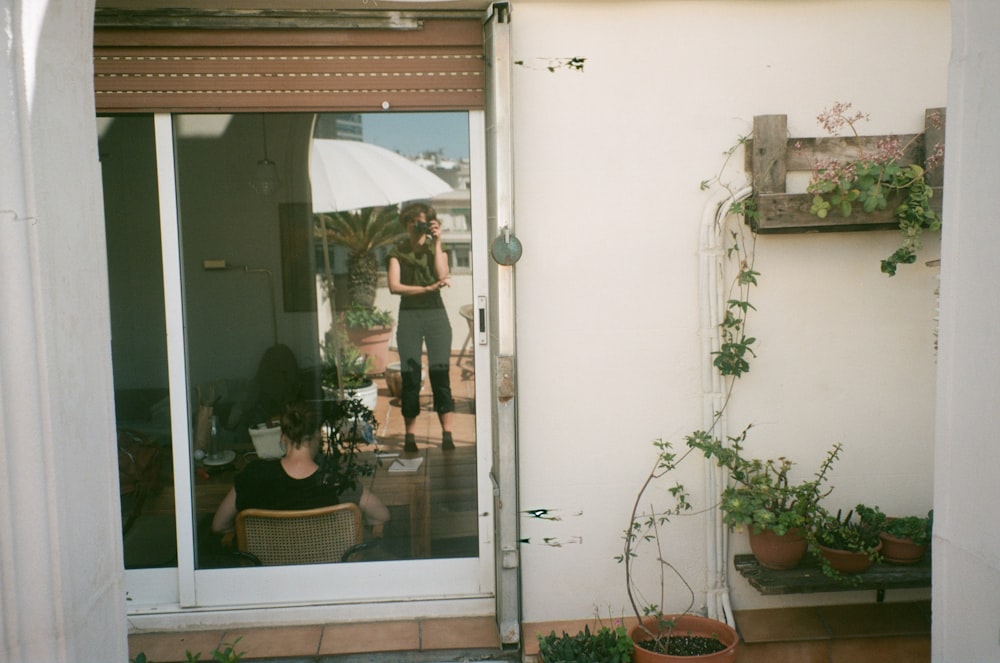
{"x": 295, "y": 481}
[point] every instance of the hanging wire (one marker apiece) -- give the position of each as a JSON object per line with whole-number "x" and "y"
{"x": 265, "y": 181}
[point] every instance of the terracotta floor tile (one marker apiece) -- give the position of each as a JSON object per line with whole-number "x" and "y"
{"x": 780, "y": 625}
{"x": 171, "y": 647}
{"x": 370, "y": 637}
{"x": 870, "y": 619}
{"x": 467, "y": 633}
{"x": 276, "y": 642}
{"x": 817, "y": 651}
{"x": 897, "y": 649}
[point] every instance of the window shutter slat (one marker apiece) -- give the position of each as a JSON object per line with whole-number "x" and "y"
{"x": 439, "y": 67}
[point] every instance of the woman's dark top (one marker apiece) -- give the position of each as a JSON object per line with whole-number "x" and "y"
{"x": 264, "y": 484}
{"x": 416, "y": 267}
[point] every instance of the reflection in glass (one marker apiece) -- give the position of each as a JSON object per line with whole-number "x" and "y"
{"x": 138, "y": 333}
{"x": 285, "y": 300}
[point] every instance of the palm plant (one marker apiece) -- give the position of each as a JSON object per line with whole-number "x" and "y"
{"x": 361, "y": 232}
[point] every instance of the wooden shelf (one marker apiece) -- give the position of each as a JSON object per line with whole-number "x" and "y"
{"x": 771, "y": 155}
{"x": 808, "y": 577}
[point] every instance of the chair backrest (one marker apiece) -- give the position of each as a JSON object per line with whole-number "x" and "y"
{"x": 310, "y": 536}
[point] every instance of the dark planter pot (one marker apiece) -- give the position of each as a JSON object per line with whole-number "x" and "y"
{"x": 688, "y": 625}
{"x": 778, "y": 552}
{"x": 847, "y": 562}
{"x": 901, "y": 551}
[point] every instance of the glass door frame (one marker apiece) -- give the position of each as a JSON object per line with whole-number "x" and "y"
{"x": 428, "y": 582}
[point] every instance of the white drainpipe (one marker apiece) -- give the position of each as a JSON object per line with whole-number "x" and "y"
{"x": 712, "y": 306}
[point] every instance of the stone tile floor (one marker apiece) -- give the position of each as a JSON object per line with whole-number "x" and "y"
{"x": 423, "y": 641}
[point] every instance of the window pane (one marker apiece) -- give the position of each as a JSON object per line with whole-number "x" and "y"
{"x": 139, "y": 353}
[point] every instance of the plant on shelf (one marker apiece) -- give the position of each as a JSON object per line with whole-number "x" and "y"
{"x": 605, "y": 645}
{"x": 761, "y": 499}
{"x": 872, "y": 180}
{"x": 904, "y": 539}
{"x": 845, "y": 545}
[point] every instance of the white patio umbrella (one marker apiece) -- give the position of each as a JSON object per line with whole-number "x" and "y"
{"x": 349, "y": 174}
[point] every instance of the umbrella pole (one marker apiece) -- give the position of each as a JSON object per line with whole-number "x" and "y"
{"x": 330, "y": 292}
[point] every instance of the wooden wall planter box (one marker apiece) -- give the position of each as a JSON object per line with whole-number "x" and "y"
{"x": 771, "y": 155}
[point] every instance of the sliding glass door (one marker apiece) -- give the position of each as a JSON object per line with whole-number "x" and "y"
{"x": 249, "y": 263}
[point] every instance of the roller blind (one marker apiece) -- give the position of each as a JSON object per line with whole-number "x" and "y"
{"x": 436, "y": 65}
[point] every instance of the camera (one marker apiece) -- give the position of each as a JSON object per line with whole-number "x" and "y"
{"x": 423, "y": 227}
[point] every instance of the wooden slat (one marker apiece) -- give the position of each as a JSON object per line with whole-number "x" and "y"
{"x": 804, "y": 153}
{"x": 769, "y": 166}
{"x": 770, "y": 155}
{"x": 437, "y": 31}
{"x": 439, "y": 67}
{"x": 933, "y": 136}
{"x": 809, "y": 578}
{"x": 785, "y": 213}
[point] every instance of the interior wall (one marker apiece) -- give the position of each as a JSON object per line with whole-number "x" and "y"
{"x": 608, "y": 163}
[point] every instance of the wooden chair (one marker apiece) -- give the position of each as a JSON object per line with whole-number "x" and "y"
{"x": 312, "y": 536}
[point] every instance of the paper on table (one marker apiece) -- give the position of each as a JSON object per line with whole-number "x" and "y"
{"x": 406, "y": 464}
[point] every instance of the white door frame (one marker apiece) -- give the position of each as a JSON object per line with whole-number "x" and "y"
{"x": 168, "y": 598}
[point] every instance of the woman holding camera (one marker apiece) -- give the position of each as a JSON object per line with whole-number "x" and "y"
{"x": 418, "y": 270}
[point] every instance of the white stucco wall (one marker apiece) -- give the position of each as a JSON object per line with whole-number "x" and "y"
{"x": 607, "y": 170}
{"x": 967, "y": 553}
{"x": 62, "y": 596}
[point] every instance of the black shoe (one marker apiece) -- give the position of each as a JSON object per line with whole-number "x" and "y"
{"x": 411, "y": 443}
{"x": 447, "y": 444}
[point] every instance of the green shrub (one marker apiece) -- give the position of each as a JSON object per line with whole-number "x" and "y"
{"x": 604, "y": 646}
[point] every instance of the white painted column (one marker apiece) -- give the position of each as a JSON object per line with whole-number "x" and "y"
{"x": 967, "y": 442}
{"x": 61, "y": 579}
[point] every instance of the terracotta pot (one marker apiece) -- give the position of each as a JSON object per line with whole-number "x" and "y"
{"x": 687, "y": 625}
{"x": 373, "y": 343}
{"x": 847, "y": 561}
{"x": 778, "y": 552}
{"x": 901, "y": 551}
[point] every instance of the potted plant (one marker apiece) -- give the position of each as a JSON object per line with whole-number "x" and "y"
{"x": 761, "y": 499}
{"x": 361, "y": 232}
{"x": 346, "y": 425}
{"x": 658, "y": 636}
{"x": 845, "y": 545}
{"x": 606, "y": 645}
{"x": 904, "y": 539}
{"x": 874, "y": 180}
{"x": 352, "y": 371}
{"x": 370, "y": 329}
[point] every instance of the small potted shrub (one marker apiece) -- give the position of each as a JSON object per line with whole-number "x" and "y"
{"x": 606, "y": 645}
{"x": 845, "y": 544}
{"x": 370, "y": 329}
{"x": 904, "y": 539}
{"x": 352, "y": 369}
{"x": 660, "y": 637}
{"x": 761, "y": 499}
